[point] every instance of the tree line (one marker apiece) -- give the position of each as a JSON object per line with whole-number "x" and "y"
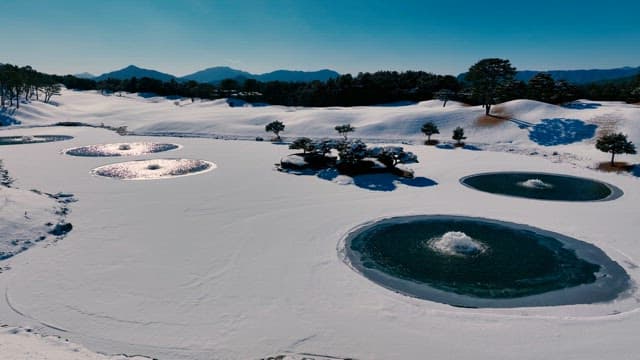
{"x": 487, "y": 82}
{"x": 25, "y": 83}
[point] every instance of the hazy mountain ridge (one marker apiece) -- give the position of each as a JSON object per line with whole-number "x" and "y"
{"x": 578, "y": 77}
{"x": 217, "y": 74}
{"x": 583, "y": 76}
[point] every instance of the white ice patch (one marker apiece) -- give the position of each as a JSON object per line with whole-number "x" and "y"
{"x": 121, "y": 149}
{"x": 154, "y": 169}
{"x": 456, "y": 243}
{"x": 535, "y": 184}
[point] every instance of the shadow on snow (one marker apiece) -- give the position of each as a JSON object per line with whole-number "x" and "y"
{"x": 6, "y": 117}
{"x": 372, "y": 182}
{"x": 560, "y": 131}
{"x": 577, "y": 105}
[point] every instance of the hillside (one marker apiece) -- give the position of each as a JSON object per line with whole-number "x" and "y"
{"x": 532, "y": 126}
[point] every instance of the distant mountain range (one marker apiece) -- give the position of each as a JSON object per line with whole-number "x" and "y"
{"x": 579, "y": 76}
{"x": 217, "y": 74}
{"x": 583, "y": 76}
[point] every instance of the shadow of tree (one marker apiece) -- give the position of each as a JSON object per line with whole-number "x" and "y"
{"x": 560, "y": 131}
{"x": 371, "y": 182}
{"x": 578, "y": 105}
{"x": 636, "y": 170}
{"x": 6, "y": 117}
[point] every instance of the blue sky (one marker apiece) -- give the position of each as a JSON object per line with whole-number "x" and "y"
{"x": 180, "y": 37}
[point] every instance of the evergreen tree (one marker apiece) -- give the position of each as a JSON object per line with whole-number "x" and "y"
{"x": 486, "y": 76}
{"x": 344, "y": 130}
{"x": 458, "y": 135}
{"x": 615, "y": 144}
{"x": 429, "y": 128}
{"x": 542, "y": 87}
{"x": 302, "y": 143}
{"x": 275, "y": 127}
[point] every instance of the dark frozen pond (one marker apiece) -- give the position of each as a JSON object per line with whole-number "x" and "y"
{"x": 542, "y": 186}
{"x": 34, "y": 139}
{"x": 474, "y": 262}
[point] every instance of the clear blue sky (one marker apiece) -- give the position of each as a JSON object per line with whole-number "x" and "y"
{"x": 179, "y": 37}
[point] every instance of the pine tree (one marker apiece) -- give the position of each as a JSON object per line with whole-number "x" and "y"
{"x": 487, "y": 76}
{"x": 303, "y": 143}
{"x": 345, "y": 129}
{"x": 458, "y": 135}
{"x": 615, "y": 144}
{"x": 275, "y": 127}
{"x": 429, "y": 129}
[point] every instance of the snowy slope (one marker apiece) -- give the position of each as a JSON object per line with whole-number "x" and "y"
{"x": 528, "y": 124}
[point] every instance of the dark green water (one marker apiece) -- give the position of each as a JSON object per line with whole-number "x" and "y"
{"x": 542, "y": 186}
{"x": 515, "y": 263}
{"x": 35, "y": 139}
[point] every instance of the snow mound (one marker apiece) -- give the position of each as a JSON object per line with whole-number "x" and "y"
{"x": 121, "y": 149}
{"x": 154, "y": 169}
{"x": 456, "y": 243}
{"x": 535, "y": 184}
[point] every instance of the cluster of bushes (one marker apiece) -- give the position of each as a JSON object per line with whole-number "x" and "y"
{"x": 351, "y": 157}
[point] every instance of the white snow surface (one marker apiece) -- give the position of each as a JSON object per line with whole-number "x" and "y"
{"x": 245, "y": 262}
{"x": 120, "y": 149}
{"x": 154, "y": 169}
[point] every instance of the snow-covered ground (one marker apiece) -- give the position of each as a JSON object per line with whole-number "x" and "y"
{"x": 244, "y": 262}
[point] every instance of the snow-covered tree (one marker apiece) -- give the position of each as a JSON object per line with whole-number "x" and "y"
{"x": 429, "y": 129}
{"x": 392, "y": 155}
{"x": 345, "y": 129}
{"x": 352, "y": 151}
{"x": 275, "y": 127}
{"x": 615, "y": 144}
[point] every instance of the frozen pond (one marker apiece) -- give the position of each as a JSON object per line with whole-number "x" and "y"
{"x": 153, "y": 169}
{"x": 121, "y": 149}
{"x": 542, "y": 186}
{"x": 32, "y": 139}
{"x": 474, "y": 262}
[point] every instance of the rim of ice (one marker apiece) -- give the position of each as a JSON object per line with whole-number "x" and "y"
{"x": 616, "y": 192}
{"x": 118, "y": 149}
{"x": 611, "y": 272}
{"x": 147, "y": 170}
{"x": 34, "y": 139}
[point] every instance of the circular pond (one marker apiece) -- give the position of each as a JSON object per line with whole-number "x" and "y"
{"x": 121, "y": 149}
{"x": 154, "y": 169}
{"x": 474, "y": 262}
{"x": 542, "y": 186}
{"x": 32, "y": 139}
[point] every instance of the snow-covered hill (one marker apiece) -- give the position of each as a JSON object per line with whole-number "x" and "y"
{"x": 524, "y": 125}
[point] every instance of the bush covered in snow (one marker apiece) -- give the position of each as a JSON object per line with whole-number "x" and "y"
{"x": 354, "y": 157}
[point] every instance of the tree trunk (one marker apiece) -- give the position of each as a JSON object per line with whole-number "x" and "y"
{"x": 613, "y": 154}
{"x": 487, "y": 109}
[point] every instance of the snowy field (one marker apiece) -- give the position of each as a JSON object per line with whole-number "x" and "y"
{"x": 244, "y": 262}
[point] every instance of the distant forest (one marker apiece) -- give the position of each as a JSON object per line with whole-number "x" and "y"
{"x": 346, "y": 90}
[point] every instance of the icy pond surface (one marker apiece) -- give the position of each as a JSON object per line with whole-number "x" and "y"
{"x": 475, "y": 262}
{"x": 154, "y": 169}
{"x": 542, "y": 186}
{"x": 32, "y": 139}
{"x": 121, "y": 149}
